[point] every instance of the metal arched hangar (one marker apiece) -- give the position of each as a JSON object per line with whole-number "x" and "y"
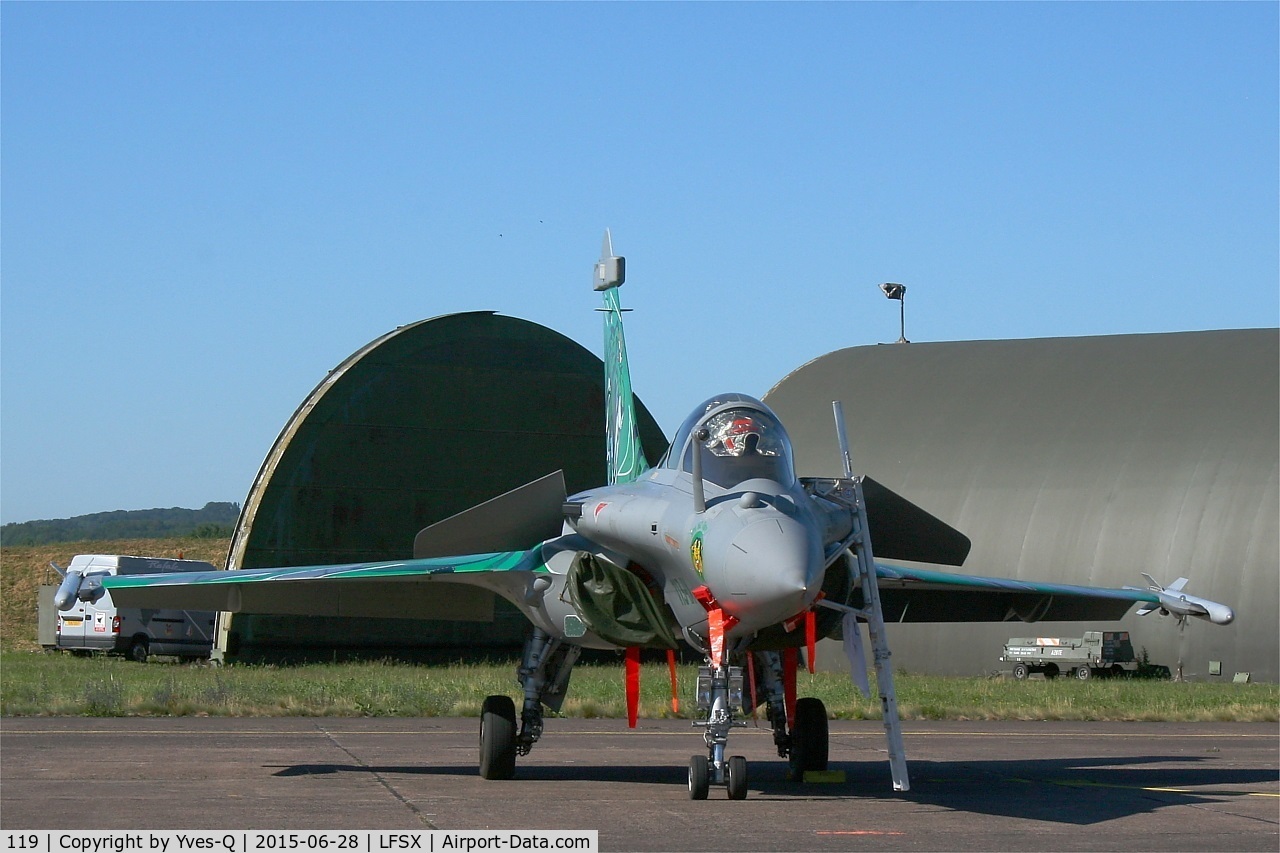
{"x": 1079, "y": 460}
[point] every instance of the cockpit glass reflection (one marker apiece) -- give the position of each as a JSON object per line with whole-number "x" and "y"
{"x": 743, "y": 444}
{"x": 737, "y": 443}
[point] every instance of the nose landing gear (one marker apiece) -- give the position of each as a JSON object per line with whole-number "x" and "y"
{"x": 719, "y": 695}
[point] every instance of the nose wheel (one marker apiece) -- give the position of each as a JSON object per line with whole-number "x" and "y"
{"x": 736, "y": 778}
{"x": 702, "y": 773}
{"x": 699, "y": 777}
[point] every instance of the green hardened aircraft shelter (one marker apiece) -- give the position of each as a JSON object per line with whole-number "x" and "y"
{"x": 424, "y": 422}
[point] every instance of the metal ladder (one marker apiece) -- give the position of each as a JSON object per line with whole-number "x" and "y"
{"x": 865, "y": 571}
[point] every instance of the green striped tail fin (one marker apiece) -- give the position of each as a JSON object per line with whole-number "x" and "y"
{"x": 622, "y": 433}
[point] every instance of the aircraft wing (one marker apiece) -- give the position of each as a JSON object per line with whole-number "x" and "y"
{"x": 929, "y": 595}
{"x": 406, "y": 589}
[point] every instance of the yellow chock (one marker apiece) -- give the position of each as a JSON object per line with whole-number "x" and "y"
{"x": 824, "y": 776}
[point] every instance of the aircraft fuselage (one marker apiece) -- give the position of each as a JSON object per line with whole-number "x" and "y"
{"x": 757, "y": 544}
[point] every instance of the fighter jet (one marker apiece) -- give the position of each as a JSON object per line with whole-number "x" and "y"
{"x": 719, "y": 547}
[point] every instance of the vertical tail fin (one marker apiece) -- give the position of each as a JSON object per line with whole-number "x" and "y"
{"x": 622, "y": 434}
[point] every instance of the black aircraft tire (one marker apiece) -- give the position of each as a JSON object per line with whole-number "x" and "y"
{"x": 736, "y": 775}
{"x": 1020, "y": 671}
{"x": 809, "y": 742}
{"x": 699, "y": 777}
{"x": 498, "y": 738}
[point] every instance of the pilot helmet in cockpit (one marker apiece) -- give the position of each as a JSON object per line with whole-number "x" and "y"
{"x": 737, "y": 433}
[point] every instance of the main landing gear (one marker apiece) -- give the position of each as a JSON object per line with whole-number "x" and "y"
{"x": 720, "y": 697}
{"x": 544, "y": 674}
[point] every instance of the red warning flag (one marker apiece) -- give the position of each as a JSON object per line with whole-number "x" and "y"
{"x": 790, "y": 662}
{"x": 715, "y": 627}
{"x": 671, "y": 668}
{"x": 633, "y": 685}
{"x": 811, "y": 638}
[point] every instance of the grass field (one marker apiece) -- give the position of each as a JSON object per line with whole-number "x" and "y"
{"x": 34, "y": 682}
{"x": 39, "y": 683}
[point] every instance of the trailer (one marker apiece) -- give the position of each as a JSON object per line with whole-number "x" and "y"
{"x": 78, "y": 614}
{"x": 1097, "y": 653}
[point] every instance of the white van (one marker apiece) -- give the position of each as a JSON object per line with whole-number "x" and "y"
{"x": 87, "y": 620}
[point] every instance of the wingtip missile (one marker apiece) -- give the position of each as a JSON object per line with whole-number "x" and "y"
{"x": 610, "y": 270}
{"x": 65, "y": 597}
{"x": 1183, "y": 604}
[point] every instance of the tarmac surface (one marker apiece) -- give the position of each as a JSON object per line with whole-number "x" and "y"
{"x": 974, "y": 785}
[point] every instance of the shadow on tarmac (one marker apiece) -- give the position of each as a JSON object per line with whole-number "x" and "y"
{"x": 1076, "y": 791}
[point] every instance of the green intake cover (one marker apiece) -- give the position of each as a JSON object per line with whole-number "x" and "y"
{"x": 617, "y": 605}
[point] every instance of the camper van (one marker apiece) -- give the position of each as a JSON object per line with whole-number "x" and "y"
{"x": 84, "y": 618}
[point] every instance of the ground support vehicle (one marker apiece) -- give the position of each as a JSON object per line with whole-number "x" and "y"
{"x": 78, "y": 615}
{"x": 1097, "y": 653}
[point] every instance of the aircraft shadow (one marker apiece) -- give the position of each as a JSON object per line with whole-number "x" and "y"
{"x": 1077, "y": 791}
{"x": 1067, "y": 791}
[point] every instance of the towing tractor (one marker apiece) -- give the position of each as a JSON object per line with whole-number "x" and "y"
{"x": 1097, "y": 653}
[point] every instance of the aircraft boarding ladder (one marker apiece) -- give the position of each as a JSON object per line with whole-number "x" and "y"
{"x": 865, "y": 577}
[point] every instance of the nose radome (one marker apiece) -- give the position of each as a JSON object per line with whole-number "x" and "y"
{"x": 769, "y": 567}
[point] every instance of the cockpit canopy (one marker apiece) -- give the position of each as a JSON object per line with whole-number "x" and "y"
{"x": 739, "y": 439}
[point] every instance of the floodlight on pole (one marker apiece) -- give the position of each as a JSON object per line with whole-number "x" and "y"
{"x": 897, "y": 291}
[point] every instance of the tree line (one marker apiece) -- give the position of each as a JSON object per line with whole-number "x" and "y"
{"x": 216, "y": 520}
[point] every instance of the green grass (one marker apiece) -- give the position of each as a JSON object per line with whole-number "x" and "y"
{"x": 34, "y": 683}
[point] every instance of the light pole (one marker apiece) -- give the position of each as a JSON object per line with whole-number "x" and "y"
{"x": 898, "y": 292}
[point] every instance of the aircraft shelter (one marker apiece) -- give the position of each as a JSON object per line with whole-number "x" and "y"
{"x": 424, "y": 422}
{"x": 1077, "y": 460}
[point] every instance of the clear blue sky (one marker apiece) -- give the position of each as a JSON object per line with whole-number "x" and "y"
{"x": 206, "y": 206}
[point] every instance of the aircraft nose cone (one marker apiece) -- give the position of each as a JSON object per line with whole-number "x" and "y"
{"x": 769, "y": 568}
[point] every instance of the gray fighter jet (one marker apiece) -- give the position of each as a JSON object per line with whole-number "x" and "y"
{"x": 719, "y": 547}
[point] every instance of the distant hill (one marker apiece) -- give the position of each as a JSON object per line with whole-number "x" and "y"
{"x": 213, "y": 521}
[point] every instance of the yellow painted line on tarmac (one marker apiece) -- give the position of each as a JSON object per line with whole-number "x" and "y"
{"x": 857, "y": 832}
{"x": 1009, "y": 734}
{"x": 313, "y": 727}
{"x": 314, "y": 724}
